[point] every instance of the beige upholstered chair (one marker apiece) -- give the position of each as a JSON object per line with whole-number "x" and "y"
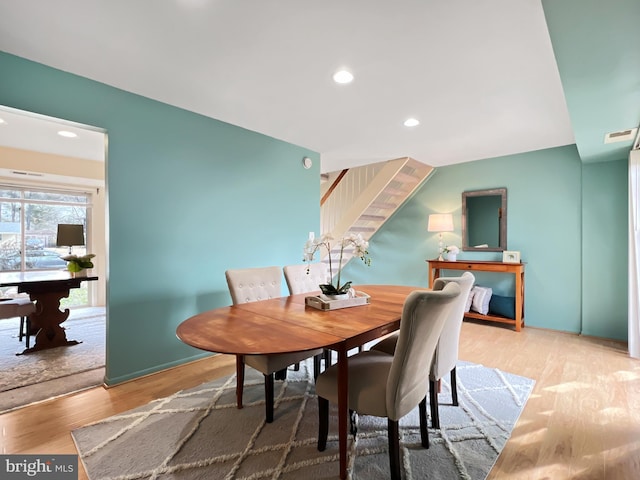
{"x": 391, "y": 386}
{"x": 446, "y": 355}
{"x": 250, "y": 285}
{"x": 305, "y": 278}
{"x": 19, "y": 307}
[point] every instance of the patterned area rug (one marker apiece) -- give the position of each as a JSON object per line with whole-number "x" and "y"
{"x": 198, "y": 433}
{"x": 37, "y": 376}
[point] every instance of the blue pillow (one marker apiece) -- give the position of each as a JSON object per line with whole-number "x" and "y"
{"x": 502, "y": 306}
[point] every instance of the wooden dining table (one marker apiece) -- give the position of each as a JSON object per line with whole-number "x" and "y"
{"x": 46, "y": 289}
{"x": 287, "y": 324}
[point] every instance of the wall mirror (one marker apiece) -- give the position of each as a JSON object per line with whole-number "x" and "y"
{"x": 484, "y": 220}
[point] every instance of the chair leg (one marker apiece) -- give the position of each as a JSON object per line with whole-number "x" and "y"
{"x": 296, "y": 367}
{"x": 268, "y": 396}
{"x": 327, "y": 358}
{"x": 281, "y": 374}
{"x": 27, "y": 332}
{"x": 21, "y": 332}
{"x": 316, "y": 366}
{"x": 353, "y": 422}
{"x": 239, "y": 379}
{"x": 394, "y": 448}
{"x": 454, "y": 387}
{"x": 424, "y": 429}
{"x": 323, "y": 423}
{"x": 433, "y": 400}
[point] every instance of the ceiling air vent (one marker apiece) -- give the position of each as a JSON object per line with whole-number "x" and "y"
{"x": 31, "y": 174}
{"x": 622, "y": 136}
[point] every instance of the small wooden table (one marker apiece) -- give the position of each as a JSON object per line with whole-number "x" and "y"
{"x": 517, "y": 269}
{"x": 46, "y": 289}
{"x": 283, "y": 325}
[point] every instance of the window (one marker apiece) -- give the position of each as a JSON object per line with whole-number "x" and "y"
{"x": 29, "y": 219}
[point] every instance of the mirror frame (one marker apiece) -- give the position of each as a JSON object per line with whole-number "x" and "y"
{"x": 503, "y": 219}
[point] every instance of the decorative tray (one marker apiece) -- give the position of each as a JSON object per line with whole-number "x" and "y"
{"x": 321, "y": 302}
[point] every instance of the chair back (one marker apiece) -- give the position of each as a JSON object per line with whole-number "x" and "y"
{"x": 305, "y": 278}
{"x": 446, "y": 355}
{"x": 423, "y": 316}
{"x": 253, "y": 284}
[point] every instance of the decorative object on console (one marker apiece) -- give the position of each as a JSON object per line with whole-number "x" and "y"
{"x": 337, "y": 290}
{"x": 511, "y": 256}
{"x": 481, "y": 299}
{"x": 440, "y": 222}
{"x": 77, "y": 265}
{"x": 452, "y": 252}
{"x": 69, "y": 236}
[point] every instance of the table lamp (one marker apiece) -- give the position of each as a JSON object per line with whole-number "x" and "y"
{"x": 440, "y": 222}
{"x": 70, "y": 235}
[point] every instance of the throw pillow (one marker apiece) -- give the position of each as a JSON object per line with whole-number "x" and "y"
{"x": 467, "y": 307}
{"x": 481, "y": 299}
{"x": 503, "y": 306}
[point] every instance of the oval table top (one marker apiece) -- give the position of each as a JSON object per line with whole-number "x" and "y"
{"x": 286, "y": 324}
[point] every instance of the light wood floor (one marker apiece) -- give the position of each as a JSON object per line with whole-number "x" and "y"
{"x": 582, "y": 420}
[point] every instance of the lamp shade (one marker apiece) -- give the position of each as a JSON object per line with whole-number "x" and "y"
{"x": 69, "y": 235}
{"x": 440, "y": 222}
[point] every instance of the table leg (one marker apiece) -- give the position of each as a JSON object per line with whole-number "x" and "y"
{"x": 46, "y": 321}
{"x": 239, "y": 379}
{"x": 343, "y": 409}
{"x": 519, "y": 296}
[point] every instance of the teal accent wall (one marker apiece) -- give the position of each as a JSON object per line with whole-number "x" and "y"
{"x": 595, "y": 44}
{"x": 572, "y": 283}
{"x": 188, "y": 198}
{"x": 604, "y": 255}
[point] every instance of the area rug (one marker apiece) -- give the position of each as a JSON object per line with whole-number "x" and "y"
{"x": 37, "y": 376}
{"x": 199, "y": 434}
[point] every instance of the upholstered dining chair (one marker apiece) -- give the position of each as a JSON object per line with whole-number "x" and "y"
{"x": 305, "y": 278}
{"x": 391, "y": 386}
{"x": 250, "y": 285}
{"x": 446, "y": 354}
{"x": 19, "y": 307}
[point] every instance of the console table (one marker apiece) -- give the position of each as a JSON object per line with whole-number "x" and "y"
{"x": 517, "y": 269}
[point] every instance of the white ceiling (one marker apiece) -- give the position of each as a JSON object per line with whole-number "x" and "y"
{"x": 480, "y": 76}
{"x": 39, "y": 133}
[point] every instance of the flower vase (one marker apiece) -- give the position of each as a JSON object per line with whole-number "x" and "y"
{"x": 451, "y": 257}
{"x": 81, "y": 273}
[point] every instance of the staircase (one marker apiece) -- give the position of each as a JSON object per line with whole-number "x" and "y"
{"x": 361, "y": 199}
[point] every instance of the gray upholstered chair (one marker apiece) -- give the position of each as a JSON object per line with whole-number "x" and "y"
{"x": 250, "y": 285}
{"x": 391, "y": 386}
{"x": 446, "y": 355}
{"x": 19, "y": 307}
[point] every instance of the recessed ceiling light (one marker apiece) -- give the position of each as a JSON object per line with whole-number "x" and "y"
{"x": 343, "y": 76}
{"x": 411, "y": 122}
{"x": 2, "y": 121}
{"x": 67, "y": 134}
